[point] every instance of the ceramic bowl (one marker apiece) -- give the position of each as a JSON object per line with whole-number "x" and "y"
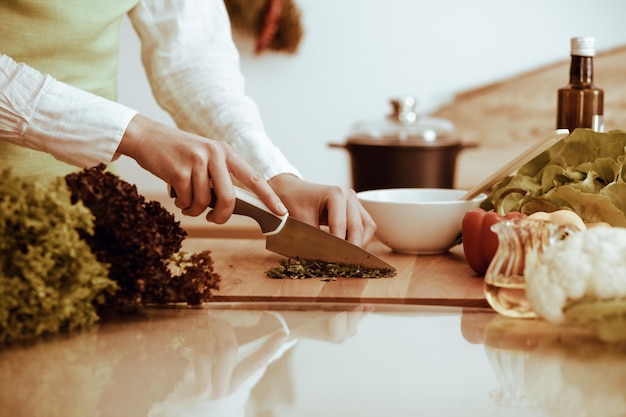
{"x": 418, "y": 220}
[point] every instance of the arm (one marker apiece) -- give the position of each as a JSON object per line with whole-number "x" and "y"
{"x": 83, "y": 129}
{"x": 74, "y": 126}
{"x": 193, "y": 68}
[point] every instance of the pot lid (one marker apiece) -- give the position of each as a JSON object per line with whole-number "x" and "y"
{"x": 404, "y": 126}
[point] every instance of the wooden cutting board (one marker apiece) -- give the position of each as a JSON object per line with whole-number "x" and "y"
{"x": 424, "y": 280}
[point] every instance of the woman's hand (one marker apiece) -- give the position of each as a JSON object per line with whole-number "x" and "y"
{"x": 332, "y": 206}
{"x": 191, "y": 165}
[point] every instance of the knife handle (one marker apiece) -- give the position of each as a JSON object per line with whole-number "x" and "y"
{"x": 248, "y": 204}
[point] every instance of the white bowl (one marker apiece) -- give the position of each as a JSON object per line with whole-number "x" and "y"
{"x": 418, "y": 220}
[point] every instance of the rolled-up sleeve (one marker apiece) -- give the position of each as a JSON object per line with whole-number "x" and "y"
{"x": 192, "y": 64}
{"x": 74, "y": 126}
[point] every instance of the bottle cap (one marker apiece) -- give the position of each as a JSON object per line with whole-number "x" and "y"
{"x": 583, "y": 46}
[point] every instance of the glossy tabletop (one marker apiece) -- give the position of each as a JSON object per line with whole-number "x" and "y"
{"x": 228, "y": 359}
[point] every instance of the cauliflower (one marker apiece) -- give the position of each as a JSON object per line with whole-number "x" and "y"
{"x": 582, "y": 280}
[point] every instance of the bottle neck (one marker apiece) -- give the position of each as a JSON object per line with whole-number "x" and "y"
{"x": 581, "y": 70}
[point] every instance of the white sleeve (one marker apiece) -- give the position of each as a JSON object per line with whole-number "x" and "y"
{"x": 192, "y": 64}
{"x": 74, "y": 126}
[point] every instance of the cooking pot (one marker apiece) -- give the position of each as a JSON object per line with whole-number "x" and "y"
{"x": 405, "y": 150}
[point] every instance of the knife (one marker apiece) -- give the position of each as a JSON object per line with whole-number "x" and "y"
{"x": 291, "y": 237}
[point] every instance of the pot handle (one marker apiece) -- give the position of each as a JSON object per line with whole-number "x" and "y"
{"x": 337, "y": 145}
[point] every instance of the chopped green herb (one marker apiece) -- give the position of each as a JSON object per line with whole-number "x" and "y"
{"x": 297, "y": 268}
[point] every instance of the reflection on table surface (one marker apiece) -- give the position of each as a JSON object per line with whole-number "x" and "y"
{"x": 277, "y": 360}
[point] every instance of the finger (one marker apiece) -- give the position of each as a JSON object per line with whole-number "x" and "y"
{"x": 337, "y": 216}
{"x": 180, "y": 189}
{"x": 369, "y": 226}
{"x": 253, "y": 181}
{"x": 355, "y": 222}
{"x": 200, "y": 194}
{"x": 224, "y": 191}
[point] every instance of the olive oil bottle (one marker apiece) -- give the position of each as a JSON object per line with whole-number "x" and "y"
{"x": 581, "y": 103}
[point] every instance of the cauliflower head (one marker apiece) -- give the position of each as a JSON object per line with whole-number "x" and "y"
{"x": 587, "y": 266}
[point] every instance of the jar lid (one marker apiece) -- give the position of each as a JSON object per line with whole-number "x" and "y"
{"x": 404, "y": 127}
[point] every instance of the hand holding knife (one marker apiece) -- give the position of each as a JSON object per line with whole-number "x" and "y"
{"x": 290, "y": 237}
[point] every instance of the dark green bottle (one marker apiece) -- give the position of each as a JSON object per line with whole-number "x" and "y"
{"x": 581, "y": 103}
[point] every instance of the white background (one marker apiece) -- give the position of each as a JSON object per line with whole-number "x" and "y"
{"x": 356, "y": 54}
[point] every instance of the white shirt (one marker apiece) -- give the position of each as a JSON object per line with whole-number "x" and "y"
{"x": 192, "y": 65}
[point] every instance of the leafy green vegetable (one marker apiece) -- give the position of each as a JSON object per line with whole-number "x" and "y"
{"x": 134, "y": 236}
{"x": 192, "y": 280}
{"x": 49, "y": 278}
{"x": 140, "y": 240}
{"x": 74, "y": 249}
{"x": 584, "y": 172}
{"x": 297, "y": 268}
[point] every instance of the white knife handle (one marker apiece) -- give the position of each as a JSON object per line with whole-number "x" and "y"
{"x": 248, "y": 204}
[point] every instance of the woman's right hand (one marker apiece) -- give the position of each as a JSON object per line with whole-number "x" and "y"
{"x": 192, "y": 164}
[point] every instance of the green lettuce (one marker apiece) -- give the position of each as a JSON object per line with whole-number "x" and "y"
{"x": 583, "y": 172}
{"x": 50, "y": 281}
{"x": 76, "y": 248}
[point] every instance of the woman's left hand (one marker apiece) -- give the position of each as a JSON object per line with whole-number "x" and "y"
{"x": 325, "y": 205}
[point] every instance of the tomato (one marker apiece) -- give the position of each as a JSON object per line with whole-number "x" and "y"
{"x": 480, "y": 243}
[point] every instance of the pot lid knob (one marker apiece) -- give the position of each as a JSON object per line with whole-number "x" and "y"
{"x": 404, "y": 126}
{"x": 403, "y": 109}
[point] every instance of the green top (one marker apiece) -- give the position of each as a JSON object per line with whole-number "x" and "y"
{"x": 76, "y": 42}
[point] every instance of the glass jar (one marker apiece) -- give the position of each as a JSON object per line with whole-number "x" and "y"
{"x": 520, "y": 242}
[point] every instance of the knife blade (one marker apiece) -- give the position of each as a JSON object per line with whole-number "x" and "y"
{"x": 291, "y": 237}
